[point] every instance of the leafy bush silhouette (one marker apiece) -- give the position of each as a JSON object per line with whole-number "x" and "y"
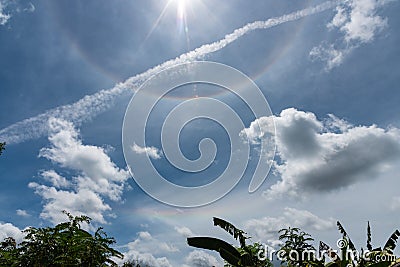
{"x": 66, "y": 244}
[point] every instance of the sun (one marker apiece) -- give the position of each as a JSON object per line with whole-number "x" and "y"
{"x": 181, "y": 8}
{"x": 182, "y": 21}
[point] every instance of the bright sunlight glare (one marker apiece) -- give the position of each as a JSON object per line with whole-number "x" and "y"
{"x": 181, "y": 5}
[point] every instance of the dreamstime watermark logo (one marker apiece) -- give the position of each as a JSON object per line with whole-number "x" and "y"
{"x": 342, "y": 243}
{"x": 140, "y": 156}
{"x": 306, "y": 255}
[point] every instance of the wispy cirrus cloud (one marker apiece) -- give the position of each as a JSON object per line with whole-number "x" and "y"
{"x": 90, "y": 106}
{"x": 8, "y": 8}
{"x": 4, "y": 16}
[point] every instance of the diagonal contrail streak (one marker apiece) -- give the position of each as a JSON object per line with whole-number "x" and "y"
{"x": 91, "y": 105}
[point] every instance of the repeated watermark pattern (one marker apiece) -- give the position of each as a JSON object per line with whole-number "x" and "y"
{"x": 140, "y": 157}
{"x": 312, "y": 254}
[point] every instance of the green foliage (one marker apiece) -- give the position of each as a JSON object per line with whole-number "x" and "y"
{"x": 296, "y": 245}
{"x": 392, "y": 242}
{"x": 2, "y": 147}
{"x": 296, "y": 241}
{"x": 245, "y": 255}
{"x": 331, "y": 254}
{"x": 369, "y": 246}
{"x": 345, "y": 236}
{"x": 386, "y": 252}
{"x": 375, "y": 256}
{"x": 8, "y": 252}
{"x": 254, "y": 251}
{"x": 66, "y": 244}
{"x": 226, "y": 250}
{"x": 231, "y": 229}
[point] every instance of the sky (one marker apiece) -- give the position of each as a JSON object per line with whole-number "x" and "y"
{"x": 328, "y": 70}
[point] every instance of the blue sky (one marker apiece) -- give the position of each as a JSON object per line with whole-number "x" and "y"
{"x": 330, "y": 73}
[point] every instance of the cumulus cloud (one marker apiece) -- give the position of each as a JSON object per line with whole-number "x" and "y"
{"x": 96, "y": 170}
{"x": 145, "y": 259}
{"x": 358, "y": 22}
{"x": 77, "y": 203}
{"x": 147, "y": 250}
{"x": 55, "y": 179}
{"x": 305, "y": 219}
{"x": 9, "y": 230}
{"x": 96, "y": 176}
{"x": 22, "y": 213}
{"x": 151, "y": 151}
{"x": 146, "y": 243}
{"x": 186, "y": 232}
{"x": 322, "y": 156}
{"x": 265, "y": 230}
{"x": 145, "y": 235}
{"x": 91, "y": 105}
{"x": 199, "y": 258}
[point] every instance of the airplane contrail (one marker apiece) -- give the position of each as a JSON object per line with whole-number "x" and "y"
{"x": 92, "y": 105}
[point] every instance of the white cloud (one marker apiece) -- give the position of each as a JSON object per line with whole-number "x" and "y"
{"x": 91, "y": 105}
{"x": 199, "y": 258}
{"x": 146, "y": 243}
{"x": 305, "y": 219}
{"x": 185, "y": 231}
{"x": 96, "y": 170}
{"x": 358, "y": 20}
{"x": 9, "y": 230}
{"x": 4, "y": 17}
{"x": 55, "y": 179}
{"x": 83, "y": 201}
{"x": 8, "y": 8}
{"x": 152, "y": 152}
{"x": 359, "y": 23}
{"x": 321, "y": 156}
{"x": 30, "y": 8}
{"x": 265, "y": 230}
{"x": 145, "y": 235}
{"x": 147, "y": 250}
{"x": 96, "y": 177}
{"x": 145, "y": 259}
{"x": 329, "y": 54}
{"x": 22, "y": 213}
{"x": 257, "y": 133}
